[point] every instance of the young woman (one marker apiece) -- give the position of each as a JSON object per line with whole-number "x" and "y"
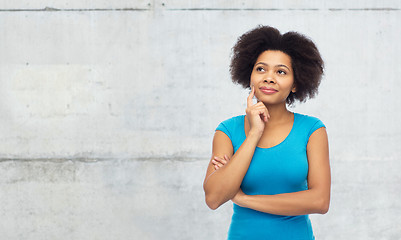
{"x": 273, "y": 164}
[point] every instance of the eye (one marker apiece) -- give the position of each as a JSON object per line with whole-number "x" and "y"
{"x": 260, "y": 69}
{"x": 281, "y": 72}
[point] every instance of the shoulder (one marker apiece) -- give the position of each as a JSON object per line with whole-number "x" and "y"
{"x": 307, "y": 120}
{"x": 232, "y": 125}
{"x": 234, "y": 120}
{"x": 309, "y": 124}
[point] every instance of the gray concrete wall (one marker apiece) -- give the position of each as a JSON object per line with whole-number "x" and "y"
{"x": 108, "y": 108}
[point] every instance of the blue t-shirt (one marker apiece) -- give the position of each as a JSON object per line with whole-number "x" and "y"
{"x": 279, "y": 169}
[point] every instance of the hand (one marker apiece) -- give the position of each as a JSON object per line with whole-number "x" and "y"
{"x": 257, "y": 114}
{"x": 239, "y": 198}
{"x": 220, "y": 162}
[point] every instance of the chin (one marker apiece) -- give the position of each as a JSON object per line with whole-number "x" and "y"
{"x": 272, "y": 102}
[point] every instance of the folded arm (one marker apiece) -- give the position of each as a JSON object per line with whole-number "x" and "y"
{"x": 314, "y": 200}
{"x": 222, "y": 184}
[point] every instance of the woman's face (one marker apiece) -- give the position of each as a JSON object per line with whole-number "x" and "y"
{"x": 273, "y": 77}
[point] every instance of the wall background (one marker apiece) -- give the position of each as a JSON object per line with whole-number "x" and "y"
{"x": 107, "y": 112}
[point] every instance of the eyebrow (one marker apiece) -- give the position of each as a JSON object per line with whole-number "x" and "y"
{"x": 279, "y": 65}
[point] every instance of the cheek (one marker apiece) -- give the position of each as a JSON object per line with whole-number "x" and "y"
{"x": 290, "y": 83}
{"x": 252, "y": 80}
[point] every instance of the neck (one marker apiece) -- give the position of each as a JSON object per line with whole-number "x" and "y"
{"x": 278, "y": 113}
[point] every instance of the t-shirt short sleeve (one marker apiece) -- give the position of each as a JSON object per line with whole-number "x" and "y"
{"x": 224, "y": 128}
{"x": 234, "y": 129}
{"x": 318, "y": 124}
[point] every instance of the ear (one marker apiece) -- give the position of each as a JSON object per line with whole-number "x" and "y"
{"x": 294, "y": 89}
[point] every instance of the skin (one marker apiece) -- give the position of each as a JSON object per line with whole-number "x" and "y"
{"x": 267, "y": 123}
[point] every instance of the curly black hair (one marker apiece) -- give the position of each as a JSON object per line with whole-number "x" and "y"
{"x": 306, "y": 61}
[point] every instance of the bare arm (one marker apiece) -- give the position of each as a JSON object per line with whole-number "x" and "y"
{"x": 221, "y": 185}
{"x": 314, "y": 200}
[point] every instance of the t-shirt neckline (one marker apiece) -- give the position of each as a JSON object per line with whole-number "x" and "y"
{"x": 282, "y": 142}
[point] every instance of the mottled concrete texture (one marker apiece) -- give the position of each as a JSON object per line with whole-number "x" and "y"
{"x": 108, "y": 108}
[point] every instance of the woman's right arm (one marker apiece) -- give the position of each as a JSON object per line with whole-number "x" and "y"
{"x": 221, "y": 185}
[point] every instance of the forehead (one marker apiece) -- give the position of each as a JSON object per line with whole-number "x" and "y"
{"x": 274, "y": 57}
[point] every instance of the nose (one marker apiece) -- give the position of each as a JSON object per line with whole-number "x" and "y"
{"x": 269, "y": 80}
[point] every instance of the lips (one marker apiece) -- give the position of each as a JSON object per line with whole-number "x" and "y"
{"x": 268, "y": 90}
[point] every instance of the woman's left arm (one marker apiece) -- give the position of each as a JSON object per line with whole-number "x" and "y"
{"x": 314, "y": 200}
